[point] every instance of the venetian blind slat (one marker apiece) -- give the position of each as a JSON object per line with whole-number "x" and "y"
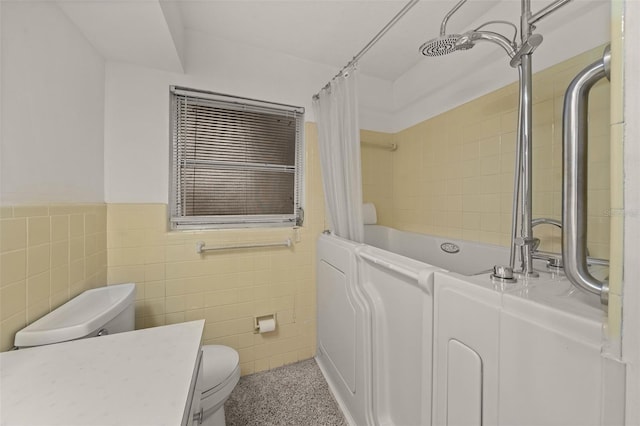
{"x": 234, "y": 160}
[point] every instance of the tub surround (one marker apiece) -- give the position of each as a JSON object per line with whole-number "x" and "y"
{"x": 452, "y": 175}
{"x": 142, "y": 377}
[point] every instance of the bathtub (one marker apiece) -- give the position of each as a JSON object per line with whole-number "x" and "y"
{"x": 412, "y": 331}
{"x": 464, "y": 257}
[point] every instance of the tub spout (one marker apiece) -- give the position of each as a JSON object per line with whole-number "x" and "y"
{"x": 553, "y": 261}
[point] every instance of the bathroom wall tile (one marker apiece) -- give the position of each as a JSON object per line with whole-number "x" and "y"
{"x": 13, "y": 234}
{"x": 9, "y": 327}
{"x": 38, "y": 288}
{"x": 13, "y": 299}
{"x": 13, "y": 266}
{"x": 6, "y": 212}
{"x": 76, "y": 249}
{"x": 59, "y": 253}
{"x": 76, "y": 272}
{"x": 486, "y": 160}
{"x": 76, "y": 226}
{"x": 154, "y": 289}
{"x": 38, "y": 230}
{"x": 38, "y": 259}
{"x": 30, "y": 211}
{"x": 59, "y": 298}
{"x": 174, "y": 304}
{"x": 37, "y": 310}
{"x": 125, "y": 274}
{"x": 174, "y": 318}
{"x": 154, "y": 321}
{"x": 154, "y": 307}
{"x": 60, "y": 278}
{"x": 489, "y": 147}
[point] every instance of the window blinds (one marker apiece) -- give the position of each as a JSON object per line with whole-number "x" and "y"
{"x": 235, "y": 161}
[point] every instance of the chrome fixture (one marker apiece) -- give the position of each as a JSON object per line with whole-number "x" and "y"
{"x": 503, "y": 274}
{"x": 546, "y": 221}
{"x": 554, "y": 260}
{"x": 202, "y": 248}
{"x": 442, "y": 45}
{"x": 574, "y": 189}
{"x": 520, "y": 57}
{"x": 450, "y": 248}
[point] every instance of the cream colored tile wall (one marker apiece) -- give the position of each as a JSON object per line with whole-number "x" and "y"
{"x": 48, "y": 254}
{"x": 226, "y": 289}
{"x": 377, "y": 173}
{"x": 453, "y": 174}
{"x": 614, "y": 329}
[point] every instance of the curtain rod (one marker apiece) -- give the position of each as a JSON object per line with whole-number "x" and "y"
{"x": 373, "y": 41}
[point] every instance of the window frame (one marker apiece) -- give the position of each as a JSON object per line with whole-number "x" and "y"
{"x": 178, "y": 221}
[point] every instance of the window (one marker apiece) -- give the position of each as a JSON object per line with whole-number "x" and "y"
{"x": 236, "y": 162}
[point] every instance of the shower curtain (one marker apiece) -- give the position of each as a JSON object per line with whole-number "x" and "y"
{"x": 336, "y": 111}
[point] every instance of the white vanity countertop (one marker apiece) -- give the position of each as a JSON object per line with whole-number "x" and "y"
{"x": 136, "y": 378}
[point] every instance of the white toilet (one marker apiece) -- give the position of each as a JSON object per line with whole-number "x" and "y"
{"x": 220, "y": 374}
{"x": 109, "y": 310}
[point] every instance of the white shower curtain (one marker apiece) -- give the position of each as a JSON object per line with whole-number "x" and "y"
{"x": 336, "y": 111}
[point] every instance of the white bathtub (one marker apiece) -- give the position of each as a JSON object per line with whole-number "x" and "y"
{"x": 411, "y": 334}
{"x": 470, "y": 259}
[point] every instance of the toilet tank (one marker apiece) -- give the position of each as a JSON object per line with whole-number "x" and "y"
{"x": 104, "y": 310}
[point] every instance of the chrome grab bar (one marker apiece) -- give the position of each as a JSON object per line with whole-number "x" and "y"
{"x": 574, "y": 197}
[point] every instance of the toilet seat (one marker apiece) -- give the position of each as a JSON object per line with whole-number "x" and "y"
{"x": 220, "y": 374}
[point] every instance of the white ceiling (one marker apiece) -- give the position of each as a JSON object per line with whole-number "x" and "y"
{"x": 332, "y": 32}
{"x": 328, "y": 32}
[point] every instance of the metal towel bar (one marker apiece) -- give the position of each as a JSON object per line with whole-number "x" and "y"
{"x": 201, "y": 246}
{"x": 386, "y": 146}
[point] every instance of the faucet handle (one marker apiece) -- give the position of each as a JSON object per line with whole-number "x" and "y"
{"x": 503, "y": 274}
{"x": 532, "y": 242}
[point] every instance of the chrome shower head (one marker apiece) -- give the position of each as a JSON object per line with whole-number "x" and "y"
{"x": 440, "y": 46}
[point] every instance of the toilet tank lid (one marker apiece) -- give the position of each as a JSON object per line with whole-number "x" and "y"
{"x": 218, "y": 363}
{"x": 78, "y": 317}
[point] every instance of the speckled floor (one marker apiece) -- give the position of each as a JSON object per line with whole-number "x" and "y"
{"x": 293, "y": 395}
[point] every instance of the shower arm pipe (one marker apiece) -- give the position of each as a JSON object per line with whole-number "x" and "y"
{"x": 454, "y": 9}
{"x": 575, "y": 160}
{"x": 494, "y": 37}
{"x": 373, "y": 41}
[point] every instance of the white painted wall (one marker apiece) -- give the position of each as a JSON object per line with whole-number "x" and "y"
{"x": 52, "y": 108}
{"x": 137, "y": 106}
